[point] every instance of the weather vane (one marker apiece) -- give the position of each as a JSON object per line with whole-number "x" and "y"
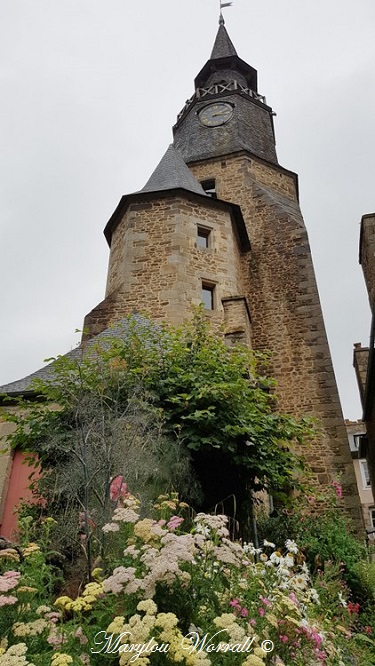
{"x": 222, "y": 5}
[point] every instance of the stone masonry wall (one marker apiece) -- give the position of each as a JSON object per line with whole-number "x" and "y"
{"x": 360, "y": 361}
{"x": 156, "y": 266}
{"x": 285, "y": 308}
{"x": 367, "y": 251}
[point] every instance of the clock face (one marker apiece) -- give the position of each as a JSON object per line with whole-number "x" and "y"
{"x": 217, "y": 114}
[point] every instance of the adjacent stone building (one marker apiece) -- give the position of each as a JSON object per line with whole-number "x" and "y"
{"x": 364, "y": 357}
{"x": 219, "y": 222}
{"x": 356, "y": 431}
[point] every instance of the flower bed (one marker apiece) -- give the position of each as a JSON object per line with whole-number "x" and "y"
{"x": 178, "y": 590}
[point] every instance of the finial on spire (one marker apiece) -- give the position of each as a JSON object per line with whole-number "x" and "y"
{"x": 222, "y": 5}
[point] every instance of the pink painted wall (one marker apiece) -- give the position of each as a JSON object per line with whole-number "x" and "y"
{"x": 18, "y": 490}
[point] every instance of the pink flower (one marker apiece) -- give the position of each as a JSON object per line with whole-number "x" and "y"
{"x": 293, "y": 598}
{"x": 283, "y": 638}
{"x": 7, "y": 600}
{"x": 252, "y": 622}
{"x": 235, "y": 603}
{"x": 9, "y": 580}
{"x": 265, "y": 600}
{"x": 174, "y": 522}
{"x": 244, "y": 612}
{"x": 338, "y": 488}
{"x": 117, "y": 488}
{"x": 261, "y": 611}
{"x": 81, "y": 636}
{"x": 82, "y": 521}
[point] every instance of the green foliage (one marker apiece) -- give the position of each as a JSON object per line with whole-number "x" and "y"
{"x": 155, "y": 406}
{"x": 213, "y": 399}
{"x": 324, "y": 537}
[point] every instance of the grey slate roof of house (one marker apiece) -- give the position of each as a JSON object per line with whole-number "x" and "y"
{"x": 119, "y": 329}
{"x": 172, "y": 173}
{"x": 223, "y": 46}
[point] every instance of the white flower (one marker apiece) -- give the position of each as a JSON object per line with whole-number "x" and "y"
{"x": 288, "y": 561}
{"x": 283, "y": 572}
{"x": 291, "y": 546}
{"x": 111, "y": 527}
{"x": 342, "y": 600}
{"x": 275, "y": 557}
{"x": 268, "y": 543}
{"x": 314, "y": 596}
{"x": 202, "y": 529}
{"x": 300, "y": 581}
{"x": 249, "y": 548}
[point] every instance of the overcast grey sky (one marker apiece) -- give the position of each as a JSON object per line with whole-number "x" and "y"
{"x": 89, "y": 92}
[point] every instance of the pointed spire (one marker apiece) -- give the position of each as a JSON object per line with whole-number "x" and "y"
{"x": 172, "y": 173}
{"x": 223, "y": 46}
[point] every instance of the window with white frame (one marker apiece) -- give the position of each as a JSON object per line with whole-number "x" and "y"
{"x": 372, "y": 516}
{"x": 365, "y": 474}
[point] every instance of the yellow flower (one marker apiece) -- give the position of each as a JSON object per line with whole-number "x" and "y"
{"x": 10, "y": 554}
{"x": 26, "y": 588}
{"x": 61, "y": 659}
{"x": 148, "y": 606}
{"x": 223, "y": 621}
{"x": 166, "y": 620}
{"x": 272, "y": 620}
{"x": 63, "y": 602}
{"x": 253, "y": 660}
{"x": 142, "y": 529}
{"x": 116, "y": 625}
{"x": 96, "y": 573}
{"x": 79, "y": 604}
{"x": 30, "y": 549}
{"x": 292, "y": 620}
{"x": 92, "y": 589}
{"x": 30, "y": 628}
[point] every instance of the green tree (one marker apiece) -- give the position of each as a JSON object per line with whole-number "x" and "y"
{"x": 160, "y": 406}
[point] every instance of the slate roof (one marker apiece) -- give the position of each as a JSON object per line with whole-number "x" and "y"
{"x": 223, "y": 46}
{"x": 172, "y": 173}
{"x": 119, "y": 329}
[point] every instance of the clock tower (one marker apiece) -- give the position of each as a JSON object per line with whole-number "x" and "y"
{"x": 219, "y": 222}
{"x": 226, "y": 113}
{"x": 225, "y": 133}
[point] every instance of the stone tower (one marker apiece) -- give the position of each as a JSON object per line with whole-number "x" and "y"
{"x": 219, "y": 221}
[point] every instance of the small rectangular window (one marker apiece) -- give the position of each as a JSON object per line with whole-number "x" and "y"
{"x": 365, "y": 474}
{"x": 372, "y": 517}
{"x": 203, "y": 237}
{"x": 208, "y": 293}
{"x": 209, "y": 187}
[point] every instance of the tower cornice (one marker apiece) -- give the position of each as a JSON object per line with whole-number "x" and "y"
{"x": 144, "y": 197}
